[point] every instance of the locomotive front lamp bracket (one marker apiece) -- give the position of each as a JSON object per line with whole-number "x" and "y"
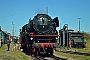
{"x": 65, "y": 26}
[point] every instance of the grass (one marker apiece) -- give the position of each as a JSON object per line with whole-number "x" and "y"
{"x": 77, "y": 57}
{"x": 72, "y": 56}
{"x": 87, "y": 49}
{"x": 12, "y": 55}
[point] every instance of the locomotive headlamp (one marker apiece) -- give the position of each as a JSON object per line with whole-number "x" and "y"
{"x": 56, "y": 38}
{"x": 43, "y": 26}
{"x": 42, "y": 18}
{"x": 31, "y": 38}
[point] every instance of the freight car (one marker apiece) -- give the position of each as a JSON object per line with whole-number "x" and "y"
{"x": 40, "y": 35}
{"x": 76, "y": 37}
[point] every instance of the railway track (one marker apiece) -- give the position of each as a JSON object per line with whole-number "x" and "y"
{"x": 47, "y": 57}
{"x": 74, "y": 52}
{"x": 43, "y": 57}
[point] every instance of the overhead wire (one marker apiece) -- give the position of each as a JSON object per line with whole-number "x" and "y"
{"x": 15, "y": 14}
{"x": 36, "y": 11}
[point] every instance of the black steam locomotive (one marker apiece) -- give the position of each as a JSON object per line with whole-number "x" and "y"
{"x": 40, "y": 34}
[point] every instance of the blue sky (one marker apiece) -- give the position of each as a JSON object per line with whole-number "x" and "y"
{"x": 19, "y": 12}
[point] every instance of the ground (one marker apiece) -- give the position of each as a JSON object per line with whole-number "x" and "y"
{"x": 71, "y": 56}
{"x": 12, "y": 55}
{"x": 19, "y": 55}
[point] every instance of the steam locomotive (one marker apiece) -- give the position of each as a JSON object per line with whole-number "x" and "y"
{"x": 40, "y": 36}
